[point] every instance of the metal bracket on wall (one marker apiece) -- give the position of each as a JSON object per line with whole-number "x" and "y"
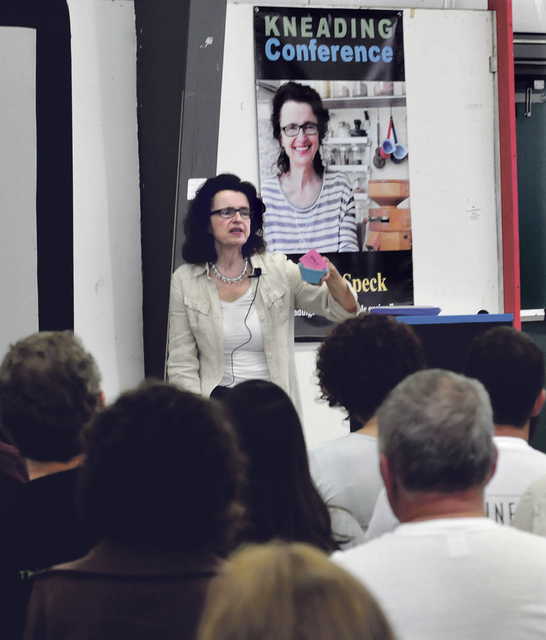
{"x": 528, "y": 98}
{"x": 492, "y": 64}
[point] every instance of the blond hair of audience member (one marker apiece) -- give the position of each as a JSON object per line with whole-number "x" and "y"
{"x": 289, "y": 591}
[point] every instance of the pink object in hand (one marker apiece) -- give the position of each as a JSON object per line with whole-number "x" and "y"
{"x": 313, "y": 260}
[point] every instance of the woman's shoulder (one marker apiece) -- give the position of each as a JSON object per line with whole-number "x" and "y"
{"x": 187, "y": 276}
{"x": 188, "y": 270}
{"x": 270, "y": 186}
{"x": 274, "y": 259}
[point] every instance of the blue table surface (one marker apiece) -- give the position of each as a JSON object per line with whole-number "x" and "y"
{"x": 482, "y": 317}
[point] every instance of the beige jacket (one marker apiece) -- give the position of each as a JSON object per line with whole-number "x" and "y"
{"x": 196, "y": 343}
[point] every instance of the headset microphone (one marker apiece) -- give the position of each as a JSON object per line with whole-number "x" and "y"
{"x": 256, "y": 273}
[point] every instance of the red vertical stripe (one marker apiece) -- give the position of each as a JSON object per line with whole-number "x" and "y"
{"x": 508, "y": 166}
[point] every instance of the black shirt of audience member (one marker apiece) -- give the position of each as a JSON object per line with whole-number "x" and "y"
{"x": 49, "y": 389}
{"x": 12, "y": 475}
{"x": 160, "y": 486}
{"x": 42, "y": 528}
{"x": 48, "y": 528}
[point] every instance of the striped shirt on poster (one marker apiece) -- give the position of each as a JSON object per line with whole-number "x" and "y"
{"x": 328, "y": 225}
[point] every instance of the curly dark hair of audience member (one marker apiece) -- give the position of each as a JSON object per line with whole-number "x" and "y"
{"x": 198, "y": 246}
{"x": 511, "y": 367}
{"x": 362, "y": 359}
{"x": 163, "y": 471}
{"x": 296, "y": 92}
{"x": 49, "y": 389}
{"x": 281, "y": 499}
{"x": 286, "y": 591}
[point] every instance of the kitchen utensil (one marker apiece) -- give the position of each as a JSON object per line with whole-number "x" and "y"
{"x": 358, "y": 131}
{"x": 399, "y": 153}
{"x": 378, "y": 160}
{"x": 387, "y": 146}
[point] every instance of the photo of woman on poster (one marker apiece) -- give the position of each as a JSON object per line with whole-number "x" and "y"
{"x": 306, "y": 207}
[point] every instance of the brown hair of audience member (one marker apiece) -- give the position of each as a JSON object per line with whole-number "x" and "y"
{"x": 362, "y": 359}
{"x": 511, "y": 368}
{"x": 163, "y": 471}
{"x": 281, "y": 591}
{"x": 49, "y": 389}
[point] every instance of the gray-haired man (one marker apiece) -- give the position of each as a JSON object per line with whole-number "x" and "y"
{"x": 448, "y": 571}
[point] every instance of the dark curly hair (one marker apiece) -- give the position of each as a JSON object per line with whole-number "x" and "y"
{"x": 281, "y": 498}
{"x": 364, "y": 358}
{"x": 49, "y": 389}
{"x": 511, "y": 368}
{"x": 298, "y": 93}
{"x": 198, "y": 246}
{"x": 162, "y": 470}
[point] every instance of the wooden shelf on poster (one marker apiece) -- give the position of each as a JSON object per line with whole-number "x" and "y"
{"x": 364, "y": 102}
{"x": 348, "y": 168}
{"x": 347, "y": 140}
{"x": 356, "y": 102}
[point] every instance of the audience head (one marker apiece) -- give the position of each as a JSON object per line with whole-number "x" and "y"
{"x": 364, "y": 358}
{"x": 199, "y": 245}
{"x": 162, "y": 470}
{"x": 49, "y": 390}
{"x": 435, "y": 431}
{"x": 283, "y": 591}
{"x": 281, "y": 498}
{"x": 511, "y": 367}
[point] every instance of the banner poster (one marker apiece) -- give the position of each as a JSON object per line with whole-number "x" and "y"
{"x": 332, "y": 145}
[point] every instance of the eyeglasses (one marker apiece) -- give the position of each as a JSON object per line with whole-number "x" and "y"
{"x": 293, "y": 129}
{"x": 229, "y": 212}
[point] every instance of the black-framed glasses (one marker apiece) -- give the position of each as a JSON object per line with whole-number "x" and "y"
{"x": 229, "y": 212}
{"x": 293, "y": 129}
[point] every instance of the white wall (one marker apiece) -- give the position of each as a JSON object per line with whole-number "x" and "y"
{"x": 18, "y": 259}
{"x": 452, "y": 134}
{"x": 320, "y": 422}
{"x": 529, "y": 16}
{"x": 107, "y": 256}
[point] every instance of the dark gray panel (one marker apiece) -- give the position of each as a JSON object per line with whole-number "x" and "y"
{"x": 162, "y": 37}
{"x": 201, "y": 102}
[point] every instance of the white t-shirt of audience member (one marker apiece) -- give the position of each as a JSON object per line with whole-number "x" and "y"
{"x": 456, "y": 579}
{"x": 346, "y": 473}
{"x": 518, "y": 467}
{"x": 531, "y": 513}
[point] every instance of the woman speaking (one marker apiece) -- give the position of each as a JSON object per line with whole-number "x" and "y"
{"x": 306, "y": 208}
{"x": 232, "y": 305}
